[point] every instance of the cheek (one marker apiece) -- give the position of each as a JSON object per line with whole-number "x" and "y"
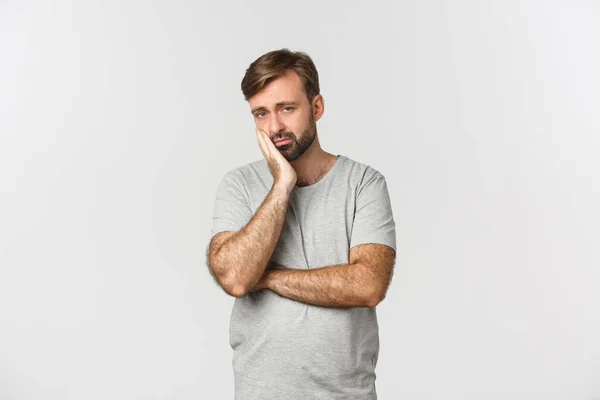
{"x": 296, "y": 124}
{"x": 261, "y": 123}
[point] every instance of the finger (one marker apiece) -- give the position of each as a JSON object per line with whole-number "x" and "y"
{"x": 270, "y": 147}
{"x": 261, "y": 142}
{"x": 270, "y": 151}
{"x": 264, "y": 136}
{"x": 259, "y": 137}
{"x": 269, "y": 143}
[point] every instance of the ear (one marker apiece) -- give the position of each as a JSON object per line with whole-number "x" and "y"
{"x": 318, "y": 106}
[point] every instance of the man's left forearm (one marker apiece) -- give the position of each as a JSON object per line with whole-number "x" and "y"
{"x": 348, "y": 285}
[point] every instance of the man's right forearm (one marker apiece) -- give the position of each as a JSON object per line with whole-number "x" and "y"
{"x": 242, "y": 259}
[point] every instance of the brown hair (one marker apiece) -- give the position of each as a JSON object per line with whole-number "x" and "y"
{"x": 274, "y": 64}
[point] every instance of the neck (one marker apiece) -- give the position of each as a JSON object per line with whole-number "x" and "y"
{"x": 313, "y": 164}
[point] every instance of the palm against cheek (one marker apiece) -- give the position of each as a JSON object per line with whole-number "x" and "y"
{"x": 280, "y": 168}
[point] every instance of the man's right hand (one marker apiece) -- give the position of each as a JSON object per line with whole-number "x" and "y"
{"x": 283, "y": 173}
{"x": 238, "y": 259}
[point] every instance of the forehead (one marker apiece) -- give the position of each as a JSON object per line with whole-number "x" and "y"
{"x": 287, "y": 87}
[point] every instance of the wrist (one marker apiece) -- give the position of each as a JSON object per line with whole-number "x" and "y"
{"x": 282, "y": 189}
{"x": 270, "y": 276}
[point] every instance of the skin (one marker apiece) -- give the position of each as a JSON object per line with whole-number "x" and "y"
{"x": 238, "y": 260}
{"x": 295, "y": 116}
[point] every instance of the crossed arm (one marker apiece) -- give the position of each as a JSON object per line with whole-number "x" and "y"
{"x": 361, "y": 283}
{"x": 238, "y": 261}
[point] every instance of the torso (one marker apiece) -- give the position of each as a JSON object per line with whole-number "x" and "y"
{"x": 285, "y": 346}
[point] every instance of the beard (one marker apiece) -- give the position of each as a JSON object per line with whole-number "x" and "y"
{"x": 297, "y": 148}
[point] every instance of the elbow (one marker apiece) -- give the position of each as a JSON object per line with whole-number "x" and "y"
{"x": 230, "y": 284}
{"x": 375, "y": 297}
{"x": 373, "y": 302}
{"x": 234, "y": 287}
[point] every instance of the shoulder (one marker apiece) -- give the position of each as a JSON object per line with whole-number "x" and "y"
{"x": 361, "y": 173}
{"x": 243, "y": 175}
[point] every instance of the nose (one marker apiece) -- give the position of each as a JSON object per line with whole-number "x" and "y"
{"x": 275, "y": 125}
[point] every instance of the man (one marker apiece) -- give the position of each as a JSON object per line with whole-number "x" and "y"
{"x": 305, "y": 240}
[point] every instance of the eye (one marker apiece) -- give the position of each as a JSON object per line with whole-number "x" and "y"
{"x": 288, "y": 108}
{"x": 259, "y": 114}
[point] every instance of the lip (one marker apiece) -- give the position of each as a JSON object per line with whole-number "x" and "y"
{"x": 283, "y": 142}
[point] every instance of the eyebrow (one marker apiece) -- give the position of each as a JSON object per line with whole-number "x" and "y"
{"x": 280, "y": 104}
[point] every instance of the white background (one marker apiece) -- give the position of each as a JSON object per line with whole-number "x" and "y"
{"x": 119, "y": 118}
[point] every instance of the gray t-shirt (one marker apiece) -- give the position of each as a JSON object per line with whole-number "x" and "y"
{"x": 285, "y": 349}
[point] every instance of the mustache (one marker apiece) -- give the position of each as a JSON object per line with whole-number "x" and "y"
{"x": 286, "y": 135}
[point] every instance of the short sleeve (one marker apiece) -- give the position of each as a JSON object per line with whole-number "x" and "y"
{"x": 373, "y": 217}
{"x": 231, "y": 209}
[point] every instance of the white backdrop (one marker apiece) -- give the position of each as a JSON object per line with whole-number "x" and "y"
{"x": 119, "y": 118}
